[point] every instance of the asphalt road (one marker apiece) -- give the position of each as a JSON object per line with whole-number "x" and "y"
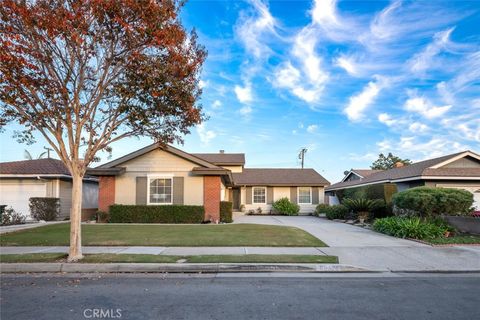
{"x": 260, "y": 297}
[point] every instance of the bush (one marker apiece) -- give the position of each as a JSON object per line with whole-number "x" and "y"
{"x": 11, "y": 217}
{"x": 431, "y": 202}
{"x": 363, "y": 206}
{"x": 103, "y": 216}
{"x": 286, "y": 207}
{"x": 414, "y": 228}
{"x": 226, "y": 211}
{"x": 156, "y": 214}
{"x": 338, "y": 211}
{"x": 321, "y": 208}
{"x": 46, "y": 209}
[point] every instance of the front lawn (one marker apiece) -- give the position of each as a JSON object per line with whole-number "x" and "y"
{"x": 166, "y": 235}
{"x": 150, "y": 258}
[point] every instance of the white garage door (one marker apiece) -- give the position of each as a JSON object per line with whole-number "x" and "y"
{"x": 17, "y": 195}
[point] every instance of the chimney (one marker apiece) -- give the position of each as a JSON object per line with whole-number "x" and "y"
{"x": 222, "y": 151}
{"x": 399, "y": 164}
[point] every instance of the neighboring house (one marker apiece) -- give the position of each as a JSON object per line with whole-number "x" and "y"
{"x": 157, "y": 175}
{"x": 357, "y": 174}
{"x": 459, "y": 170}
{"x": 22, "y": 180}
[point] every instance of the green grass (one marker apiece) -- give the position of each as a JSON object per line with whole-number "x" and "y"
{"x": 459, "y": 239}
{"x": 166, "y": 235}
{"x": 150, "y": 258}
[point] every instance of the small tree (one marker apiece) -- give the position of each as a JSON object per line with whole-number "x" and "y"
{"x": 388, "y": 162}
{"x": 85, "y": 74}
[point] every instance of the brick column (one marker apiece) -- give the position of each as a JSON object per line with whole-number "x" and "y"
{"x": 106, "y": 192}
{"x": 211, "y": 197}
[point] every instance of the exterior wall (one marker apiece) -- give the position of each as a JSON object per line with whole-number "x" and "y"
{"x": 106, "y": 192}
{"x": 158, "y": 162}
{"x": 402, "y": 186}
{"x": 65, "y": 195}
{"x": 211, "y": 197}
{"x": 466, "y": 162}
{"x": 235, "y": 169}
{"x": 278, "y": 193}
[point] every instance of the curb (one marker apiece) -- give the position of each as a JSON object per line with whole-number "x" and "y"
{"x": 177, "y": 268}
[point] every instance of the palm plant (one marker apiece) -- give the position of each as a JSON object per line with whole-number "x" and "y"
{"x": 363, "y": 206}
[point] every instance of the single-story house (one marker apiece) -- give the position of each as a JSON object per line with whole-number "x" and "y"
{"x": 163, "y": 175}
{"x": 22, "y": 180}
{"x": 459, "y": 170}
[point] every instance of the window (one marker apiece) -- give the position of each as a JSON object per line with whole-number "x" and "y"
{"x": 160, "y": 191}
{"x": 259, "y": 195}
{"x": 304, "y": 195}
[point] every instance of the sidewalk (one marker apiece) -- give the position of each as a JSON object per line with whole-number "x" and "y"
{"x": 17, "y": 227}
{"x": 379, "y": 258}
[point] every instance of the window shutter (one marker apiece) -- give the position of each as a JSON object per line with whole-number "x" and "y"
{"x": 178, "y": 190}
{"x": 141, "y": 191}
{"x": 269, "y": 195}
{"x": 249, "y": 195}
{"x": 314, "y": 195}
{"x": 293, "y": 194}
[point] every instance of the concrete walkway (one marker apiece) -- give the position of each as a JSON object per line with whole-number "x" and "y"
{"x": 17, "y": 227}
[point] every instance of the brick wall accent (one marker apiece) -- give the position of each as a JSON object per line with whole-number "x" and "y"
{"x": 211, "y": 197}
{"x": 106, "y": 192}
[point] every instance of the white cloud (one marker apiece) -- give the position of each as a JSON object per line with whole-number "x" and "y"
{"x": 244, "y": 94}
{"x": 423, "y": 60}
{"x": 253, "y": 28}
{"x": 418, "y": 127}
{"x": 312, "y": 128}
{"x": 324, "y": 12}
{"x": 205, "y": 135}
{"x": 424, "y": 107}
{"x": 203, "y": 84}
{"x": 382, "y": 26}
{"x": 245, "y": 110}
{"x": 216, "y": 104}
{"x": 360, "y": 102}
{"x": 347, "y": 64}
{"x": 386, "y": 119}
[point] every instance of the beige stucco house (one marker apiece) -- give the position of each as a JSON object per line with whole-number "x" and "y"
{"x": 164, "y": 175}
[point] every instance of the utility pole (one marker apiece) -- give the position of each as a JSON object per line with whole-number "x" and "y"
{"x": 48, "y": 151}
{"x": 301, "y": 155}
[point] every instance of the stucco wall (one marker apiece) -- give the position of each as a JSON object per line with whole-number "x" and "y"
{"x": 158, "y": 162}
{"x": 236, "y": 169}
{"x": 466, "y": 162}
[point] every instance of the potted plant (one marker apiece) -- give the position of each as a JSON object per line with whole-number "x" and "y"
{"x": 363, "y": 207}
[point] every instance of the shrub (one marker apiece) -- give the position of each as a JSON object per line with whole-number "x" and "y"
{"x": 403, "y": 227}
{"x": 156, "y": 214}
{"x": 103, "y": 216}
{"x": 338, "y": 211}
{"x": 11, "y": 217}
{"x": 431, "y": 202}
{"x": 286, "y": 207}
{"x": 259, "y": 210}
{"x": 46, "y": 209}
{"x": 363, "y": 206}
{"x": 321, "y": 208}
{"x": 226, "y": 211}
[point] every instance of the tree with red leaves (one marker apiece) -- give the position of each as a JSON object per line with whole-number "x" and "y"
{"x": 85, "y": 74}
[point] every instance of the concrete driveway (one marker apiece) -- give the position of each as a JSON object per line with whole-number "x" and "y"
{"x": 368, "y": 249}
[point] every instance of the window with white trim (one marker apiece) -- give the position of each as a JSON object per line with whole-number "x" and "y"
{"x": 305, "y": 195}
{"x": 160, "y": 190}
{"x": 259, "y": 195}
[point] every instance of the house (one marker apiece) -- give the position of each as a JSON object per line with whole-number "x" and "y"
{"x": 459, "y": 170}
{"x": 357, "y": 174}
{"x": 163, "y": 175}
{"x": 22, "y": 180}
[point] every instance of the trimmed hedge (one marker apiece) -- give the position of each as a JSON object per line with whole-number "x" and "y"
{"x": 156, "y": 214}
{"x": 338, "y": 211}
{"x": 46, "y": 209}
{"x": 286, "y": 207}
{"x": 226, "y": 211}
{"x": 432, "y": 202}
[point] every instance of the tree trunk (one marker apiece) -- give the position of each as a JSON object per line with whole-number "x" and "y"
{"x": 75, "y": 252}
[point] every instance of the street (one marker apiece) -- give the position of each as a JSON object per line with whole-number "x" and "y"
{"x": 255, "y": 296}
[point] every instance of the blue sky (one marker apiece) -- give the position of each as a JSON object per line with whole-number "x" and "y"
{"x": 345, "y": 79}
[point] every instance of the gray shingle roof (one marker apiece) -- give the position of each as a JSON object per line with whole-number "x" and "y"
{"x": 37, "y": 166}
{"x": 279, "y": 177}
{"x": 412, "y": 170}
{"x": 222, "y": 158}
{"x": 365, "y": 172}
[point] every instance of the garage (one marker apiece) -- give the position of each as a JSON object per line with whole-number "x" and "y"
{"x": 17, "y": 195}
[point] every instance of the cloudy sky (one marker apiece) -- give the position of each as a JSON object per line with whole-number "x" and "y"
{"x": 345, "y": 79}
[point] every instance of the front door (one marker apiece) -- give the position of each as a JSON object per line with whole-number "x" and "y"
{"x": 236, "y": 199}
